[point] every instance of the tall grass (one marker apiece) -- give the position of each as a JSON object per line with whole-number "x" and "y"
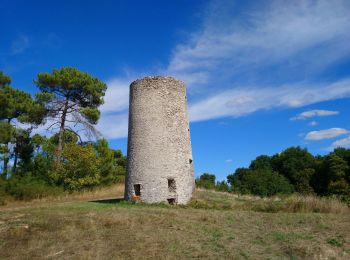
{"x": 292, "y": 204}
{"x": 299, "y": 203}
{"x": 113, "y": 191}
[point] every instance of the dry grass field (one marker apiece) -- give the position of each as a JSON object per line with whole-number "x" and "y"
{"x": 213, "y": 226}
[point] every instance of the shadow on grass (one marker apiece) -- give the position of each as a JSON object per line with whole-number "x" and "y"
{"x": 108, "y": 201}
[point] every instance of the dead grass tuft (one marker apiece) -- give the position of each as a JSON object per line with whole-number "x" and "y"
{"x": 299, "y": 203}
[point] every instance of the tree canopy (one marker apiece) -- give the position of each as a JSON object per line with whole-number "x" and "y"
{"x": 15, "y": 106}
{"x": 71, "y": 96}
{"x": 295, "y": 169}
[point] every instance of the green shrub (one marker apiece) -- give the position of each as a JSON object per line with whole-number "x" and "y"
{"x": 259, "y": 182}
{"x": 28, "y": 188}
{"x": 222, "y": 186}
{"x": 335, "y": 242}
{"x": 79, "y": 168}
{"x": 206, "y": 181}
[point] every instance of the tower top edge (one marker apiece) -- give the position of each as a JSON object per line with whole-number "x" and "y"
{"x": 164, "y": 79}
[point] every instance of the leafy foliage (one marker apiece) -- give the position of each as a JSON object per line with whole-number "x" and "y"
{"x": 71, "y": 96}
{"x": 4, "y": 79}
{"x": 296, "y": 169}
{"x": 107, "y": 163}
{"x": 206, "y": 180}
{"x": 15, "y": 105}
{"x": 222, "y": 186}
{"x": 29, "y": 187}
{"x": 262, "y": 182}
{"x": 297, "y": 165}
{"x": 78, "y": 168}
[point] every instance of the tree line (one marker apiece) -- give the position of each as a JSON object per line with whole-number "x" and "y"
{"x": 292, "y": 170}
{"x": 67, "y": 104}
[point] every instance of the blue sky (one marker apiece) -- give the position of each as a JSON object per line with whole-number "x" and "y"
{"x": 261, "y": 75}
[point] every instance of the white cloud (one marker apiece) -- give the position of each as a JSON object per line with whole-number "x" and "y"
{"x": 345, "y": 143}
{"x": 113, "y": 126}
{"x": 117, "y": 96}
{"x": 325, "y": 134}
{"x": 113, "y": 123}
{"x": 228, "y": 161}
{"x": 314, "y": 113}
{"x": 242, "y": 101}
{"x": 313, "y": 123}
{"x": 235, "y": 54}
{"x": 312, "y": 34}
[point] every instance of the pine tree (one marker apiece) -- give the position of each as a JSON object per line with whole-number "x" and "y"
{"x": 74, "y": 97}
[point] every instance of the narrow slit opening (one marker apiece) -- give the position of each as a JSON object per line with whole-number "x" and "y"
{"x": 171, "y": 185}
{"x": 137, "y": 189}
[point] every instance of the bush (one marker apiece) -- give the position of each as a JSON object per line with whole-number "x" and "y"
{"x": 222, "y": 186}
{"x": 206, "y": 181}
{"x": 107, "y": 163}
{"x": 28, "y": 188}
{"x": 79, "y": 168}
{"x": 259, "y": 182}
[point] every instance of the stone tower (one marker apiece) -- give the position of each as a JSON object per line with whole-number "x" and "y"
{"x": 159, "y": 166}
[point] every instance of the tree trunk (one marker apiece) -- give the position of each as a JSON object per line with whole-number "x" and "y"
{"x": 61, "y": 132}
{"x": 6, "y": 160}
{"x": 15, "y": 163}
{"x": 6, "y": 156}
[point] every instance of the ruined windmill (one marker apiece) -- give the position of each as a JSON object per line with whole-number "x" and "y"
{"x": 159, "y": 162}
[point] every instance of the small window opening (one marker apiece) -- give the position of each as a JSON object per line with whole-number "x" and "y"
{"x": 171, "y": 185}
{"x": 190, "y": 160}
{"x": 172, "y": 201}
{"x": 137, "y": 189}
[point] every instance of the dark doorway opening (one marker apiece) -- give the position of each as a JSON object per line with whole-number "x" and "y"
{"x": 137, "y": 189}
{"x": 171, "y": 185}
{"x": 172, "y": 201}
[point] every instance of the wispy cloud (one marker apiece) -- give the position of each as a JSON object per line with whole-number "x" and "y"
{"x": 113, "y": 126}
{"x": 237, "y": 53}
{"x": 313, "y": 123}
{"x": 228, "y": 161}
{"x": 114, "y": 112}
{"x": 117, "y": 95}
{"x": 314, "y": 113}
{"x": 345, "y": 143}
{"x": 325, "y": 134}
{"x": 242, "y": 101}
{"x": 298, "y": 34}
{"x": 20, "y": 44}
